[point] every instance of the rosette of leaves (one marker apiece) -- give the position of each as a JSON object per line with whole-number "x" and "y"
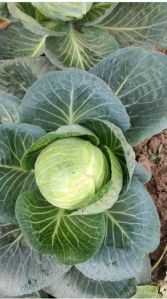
{"x": 97, "y": 247}
{"x": 81, "y": 34}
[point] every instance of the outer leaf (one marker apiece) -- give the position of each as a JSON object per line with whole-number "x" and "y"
{"x": 129, "y": 225}
{"x": 144, "y": 276}
{"x": 17, "y": 75}
{"x": 23, "y": 270}
{"x": 75, "y": 285}
{"x": 147, "y": 291}
{"x": 63, "y": 11}
{"x": 80, "y": 49}
{"x": 141, "y": 173}
{"x": 98, "y": 12}
{"x": 31, "y": 154}
{"x": 8, "y": 108}
{"x": 52, "y": 231}
{"x": 43, "y": 294}
{"x": 27, "y": 14}
{"x": 16, "y": 41}
{"x": 138, "y": 78}
{"x": 70, "y": 97}
{"x": 4, "y": 10}
{"x": 112, "y": 137}
{"x": 14, "y": 140}
{"x": 132, "y": 23}
{"x": 121, "y": 154}
{"x": 32, "y": 295}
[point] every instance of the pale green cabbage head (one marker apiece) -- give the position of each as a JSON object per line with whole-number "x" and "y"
{"x": 69, "y": 171}
{"x": 64, "y": 11}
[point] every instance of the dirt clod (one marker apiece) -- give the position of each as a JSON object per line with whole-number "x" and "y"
{"x": 152, "y": 153}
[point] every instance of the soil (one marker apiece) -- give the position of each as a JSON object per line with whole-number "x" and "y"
{"x": 162, "y": 51}
{"x": 152, "y": 153}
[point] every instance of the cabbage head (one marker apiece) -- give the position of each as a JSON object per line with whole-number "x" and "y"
{"x": 69, "y": 171}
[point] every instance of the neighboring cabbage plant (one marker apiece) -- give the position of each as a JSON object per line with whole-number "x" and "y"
{"x": 80, "y": 34}
{"x": 76, "y": 219}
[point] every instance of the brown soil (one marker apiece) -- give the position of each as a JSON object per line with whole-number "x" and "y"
{"x": 152, "y": 153}
{"x": 162, "y": 51}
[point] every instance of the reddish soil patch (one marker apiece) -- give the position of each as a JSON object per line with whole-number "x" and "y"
{"x": 152, "y": 153}
{"x": 162, "y": 51}
{"x": 4, "y": 23}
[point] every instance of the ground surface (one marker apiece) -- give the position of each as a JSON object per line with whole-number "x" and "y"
{"x": 152, "y": 153}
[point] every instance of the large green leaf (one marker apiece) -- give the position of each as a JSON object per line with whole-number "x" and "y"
{"x": 129, "y": 225}
{"x": 144, "y": 275}
{"x": 9, "y": 105}
{"x": 74, "y": 284}
{"x": 70, "y": 97}
{"x": 14, "y": 140}
{"x": 141, "y": 173}
{"x": 98, "y": 12}
{"x": 52, "y": 231}
{"x": 147, "y": 291}
{"x": 4, "y": 10}
{"x": 38, "y": 294}
{"x": 31, "y": 20}
{"x": 31, "y": 154}
{"x": 17, "y": 75}
{"x": 133, "y": 23}
{"x": 16, "y": 41}
{"x": 63, "y": 11}
{"x": 138, "y": 78}
{"x": 23, "y": 270}
{"x": 80, "y": 48}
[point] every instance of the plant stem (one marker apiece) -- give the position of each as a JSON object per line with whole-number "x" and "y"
{"x": 159, "y": 260}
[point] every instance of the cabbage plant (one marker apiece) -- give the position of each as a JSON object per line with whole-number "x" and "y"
{"x": 76, "y": 219}
{"x": 80, "y": 34}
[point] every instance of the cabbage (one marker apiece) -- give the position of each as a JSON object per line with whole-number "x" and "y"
{"x": 69, "y": 171}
